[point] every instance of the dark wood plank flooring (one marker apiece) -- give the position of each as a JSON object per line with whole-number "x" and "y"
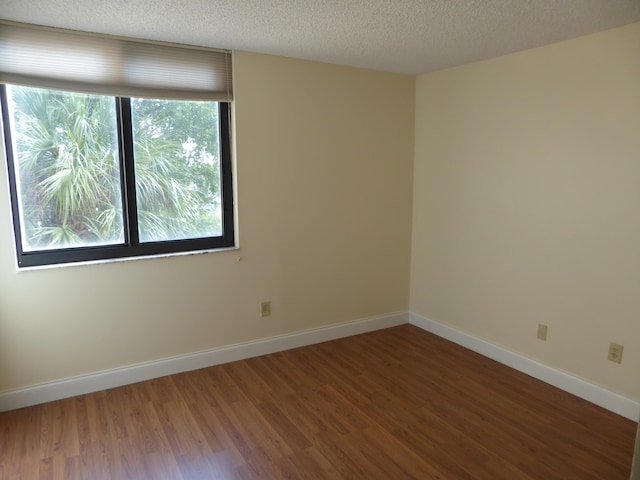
{"x": 392, "y": 404}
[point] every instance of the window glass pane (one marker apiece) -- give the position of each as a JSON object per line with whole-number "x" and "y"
{"x": 65, "y": 153}
{"x": 177, "y": 168}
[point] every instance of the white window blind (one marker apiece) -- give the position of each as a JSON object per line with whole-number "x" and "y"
{"x": 69, "y": 60}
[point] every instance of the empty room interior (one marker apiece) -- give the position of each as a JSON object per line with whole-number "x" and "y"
{"x": 428, "y": 264}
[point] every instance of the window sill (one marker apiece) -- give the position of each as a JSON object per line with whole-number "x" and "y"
{"x": 127, "y": 259}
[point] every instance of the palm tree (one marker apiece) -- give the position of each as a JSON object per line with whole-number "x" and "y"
{"x": 67, "y": 167}
{"x": 177, "y": 169}
{"x": 69, "y": 174}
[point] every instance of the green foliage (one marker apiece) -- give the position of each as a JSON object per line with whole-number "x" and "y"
{"x": 66, "y": 151}
{"x": 177, "y": 165}
{"x": 69, "y": 176}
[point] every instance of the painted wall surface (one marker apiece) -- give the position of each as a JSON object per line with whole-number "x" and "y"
{"x": 527, "y": 203}
{"x": 324, "y": 169}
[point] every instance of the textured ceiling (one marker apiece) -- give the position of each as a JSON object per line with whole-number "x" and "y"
{"x": 407, "y": 36}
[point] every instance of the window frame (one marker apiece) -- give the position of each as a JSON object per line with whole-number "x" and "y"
{"x": 131, "y": 247}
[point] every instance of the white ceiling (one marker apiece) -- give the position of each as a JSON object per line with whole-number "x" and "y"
{"x": 406, "y": 36}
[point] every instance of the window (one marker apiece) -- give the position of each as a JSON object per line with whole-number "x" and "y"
{"x": 95, "y": 175}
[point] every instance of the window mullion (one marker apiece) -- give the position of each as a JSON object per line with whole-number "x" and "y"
{"x": 127, "y": 169}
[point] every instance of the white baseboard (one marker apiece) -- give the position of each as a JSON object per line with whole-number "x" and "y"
{"x": 581, "y": 388}
{"x": 93, "y": 382}
{"x": 69, "y": 387}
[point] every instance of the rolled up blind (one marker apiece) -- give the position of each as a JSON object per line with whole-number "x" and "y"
{"x": 92, "y": 63}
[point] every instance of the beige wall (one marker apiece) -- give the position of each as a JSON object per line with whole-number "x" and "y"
{"x": 527, "y": 203}
{"x": 324, "y": 166}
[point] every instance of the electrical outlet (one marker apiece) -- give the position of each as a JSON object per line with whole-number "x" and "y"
{"x": 542, "y": 331}
{"x": 615, "y": 352}
{"x": 265, "y": 309}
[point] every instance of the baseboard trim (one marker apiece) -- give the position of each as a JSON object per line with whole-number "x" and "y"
{"x": 93, "y": 382}
{"x": 69, "y": 387}
{"x": 581, "y": 388}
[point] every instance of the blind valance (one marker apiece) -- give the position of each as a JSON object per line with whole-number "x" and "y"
{"x": 92, "y": 63}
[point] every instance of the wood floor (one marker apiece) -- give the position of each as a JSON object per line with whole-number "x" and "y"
{"x": 392, "y": 404}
